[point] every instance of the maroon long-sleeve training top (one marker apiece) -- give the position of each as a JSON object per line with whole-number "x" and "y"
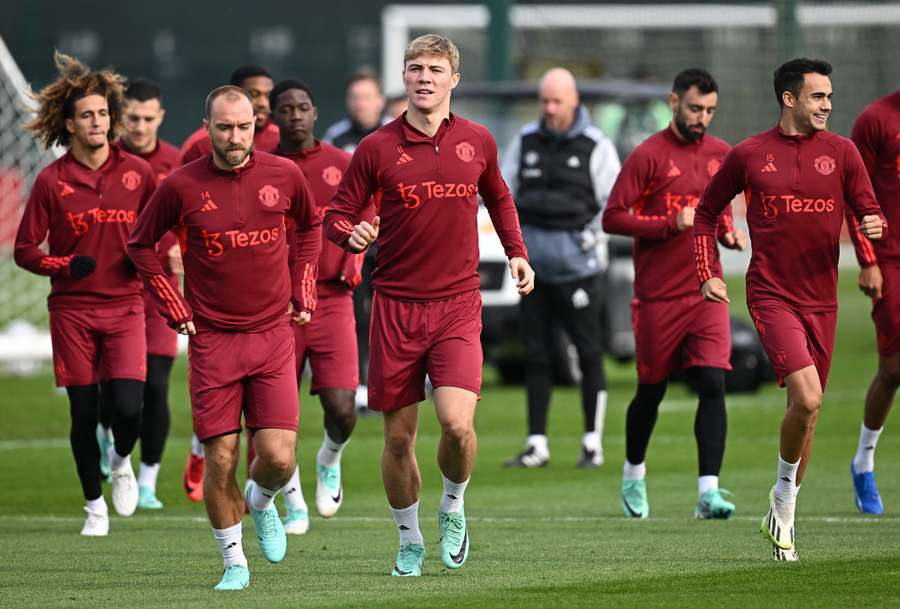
{"x": 876, "y": 134}
{"x": 85, "y": 212}
{"x": 658, "y": 179}
{"x": 231, "y": 225}
{"x": 426, "y": 195}
{"x": 324, "y": 165}
{"x": 796, "y": 189}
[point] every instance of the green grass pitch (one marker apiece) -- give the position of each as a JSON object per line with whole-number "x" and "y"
{"x": 549, "y": 538}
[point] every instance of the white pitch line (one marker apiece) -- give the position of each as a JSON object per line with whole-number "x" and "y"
{"x": 486, "y": 519}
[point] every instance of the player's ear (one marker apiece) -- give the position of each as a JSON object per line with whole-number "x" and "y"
{"x": 673, "y": 102}
{"x": 315, "y": 113}
{"x": 454, "y": 80}
{"x": 70, "y": 125}
{"x": 788, "y": 98}
{"x": 162, "y": 115}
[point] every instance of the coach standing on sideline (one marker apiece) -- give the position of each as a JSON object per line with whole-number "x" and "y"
{"x": 240, "y": 297}
{"x": 560, "y": 171}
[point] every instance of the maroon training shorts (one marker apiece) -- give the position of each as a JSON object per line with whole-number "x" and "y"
{"x": 794, "y": 340}
{"x": 679, "y": 333}
{"x": 249, "y": 372}
{"x": 161, "y": 339}
{"x": 329, "y": 341}
{"x": 98, "y": 344}
{"x": 886, "y": 312}
{"x": 409, "y": 339}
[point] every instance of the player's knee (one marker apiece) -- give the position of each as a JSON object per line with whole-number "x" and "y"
{"x": 807, "y": 404}
{"x": 399, "y": 442}
{"x": 345, "y": 421}
{"x": 457, "y": 429}
{"x": 889, "y": 371}
{"x": 221, "y": 464}
{"x": 283, "y": 464}
{"x": 708, "y": 382}
{"x": 155, "y": 391}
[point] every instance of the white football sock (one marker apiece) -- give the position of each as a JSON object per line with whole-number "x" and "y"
{"x": 293, "y": 492}
{"x": 97, "y": 506}
{"x": 452, "y": 499}
{"x": 864, "y": 461}
{"x": 196, "y": 446}
{"x": 786, "y": 484}
{"x": 594, "y": 440}
{"x": 539, "y": 441}
{"x": 407, "y": 520}
{"x": 148, "y": 475}
{"x": 706, "y": 483}
{"x": 329, "y": 453}
{"x": 261, "y": 498}
{"x": 634, "y": 472}
{"x": 117, "y": 461}
{"x": 231, "y": 545}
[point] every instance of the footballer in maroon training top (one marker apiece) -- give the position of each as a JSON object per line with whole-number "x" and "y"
{"x": 797, "y": 179}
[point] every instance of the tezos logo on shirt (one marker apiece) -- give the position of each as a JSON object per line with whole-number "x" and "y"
{"x": 412, "y": 194}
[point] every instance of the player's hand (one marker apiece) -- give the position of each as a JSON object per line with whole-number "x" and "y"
{"x": 714, "y": 290}
{"x": 364, "y": 234}
{"x": 685, "y": 218}
{"x": 81, "y": 266}
{"x": 735, "y": 240}
{"x": 175, "y": 262}
{"x": 522, "y": 272}
{"x": 871, "y": 281}
{"x": 187, "y": 328}
{"x": 871, "y": 227}
{"x": 299, "y": 317}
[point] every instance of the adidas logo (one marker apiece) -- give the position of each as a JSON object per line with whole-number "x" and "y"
{"x": 673, "y": 172}
{"x": 404, "y": 158}
{"x": 403, "y": 527}
{"x": 769, "y": 168}
{"x": 210, "y": 206}
{"x": 786, "y": 479}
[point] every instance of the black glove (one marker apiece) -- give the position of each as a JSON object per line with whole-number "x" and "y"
{"x": 81, "y": 266}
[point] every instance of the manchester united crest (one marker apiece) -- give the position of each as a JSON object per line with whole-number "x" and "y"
{"x": 269, "y": 195}
{"x": 332, "y": 175}
{"x": 465, "y": 151}
{"x": 824, "y": 164}
{"x": 131, "y": 179}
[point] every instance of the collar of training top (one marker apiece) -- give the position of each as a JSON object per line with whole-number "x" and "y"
{"x": 73, "y": 170}
{"x": 414, "y": 135}
{"x": 301, "y": 153}
{"x": 799, "y": 137}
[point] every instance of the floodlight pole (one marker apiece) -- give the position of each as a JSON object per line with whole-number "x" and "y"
{"x": 498, "y": 68}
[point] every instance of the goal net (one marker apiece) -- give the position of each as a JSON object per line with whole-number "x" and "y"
{"x": 23, "y": 305}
